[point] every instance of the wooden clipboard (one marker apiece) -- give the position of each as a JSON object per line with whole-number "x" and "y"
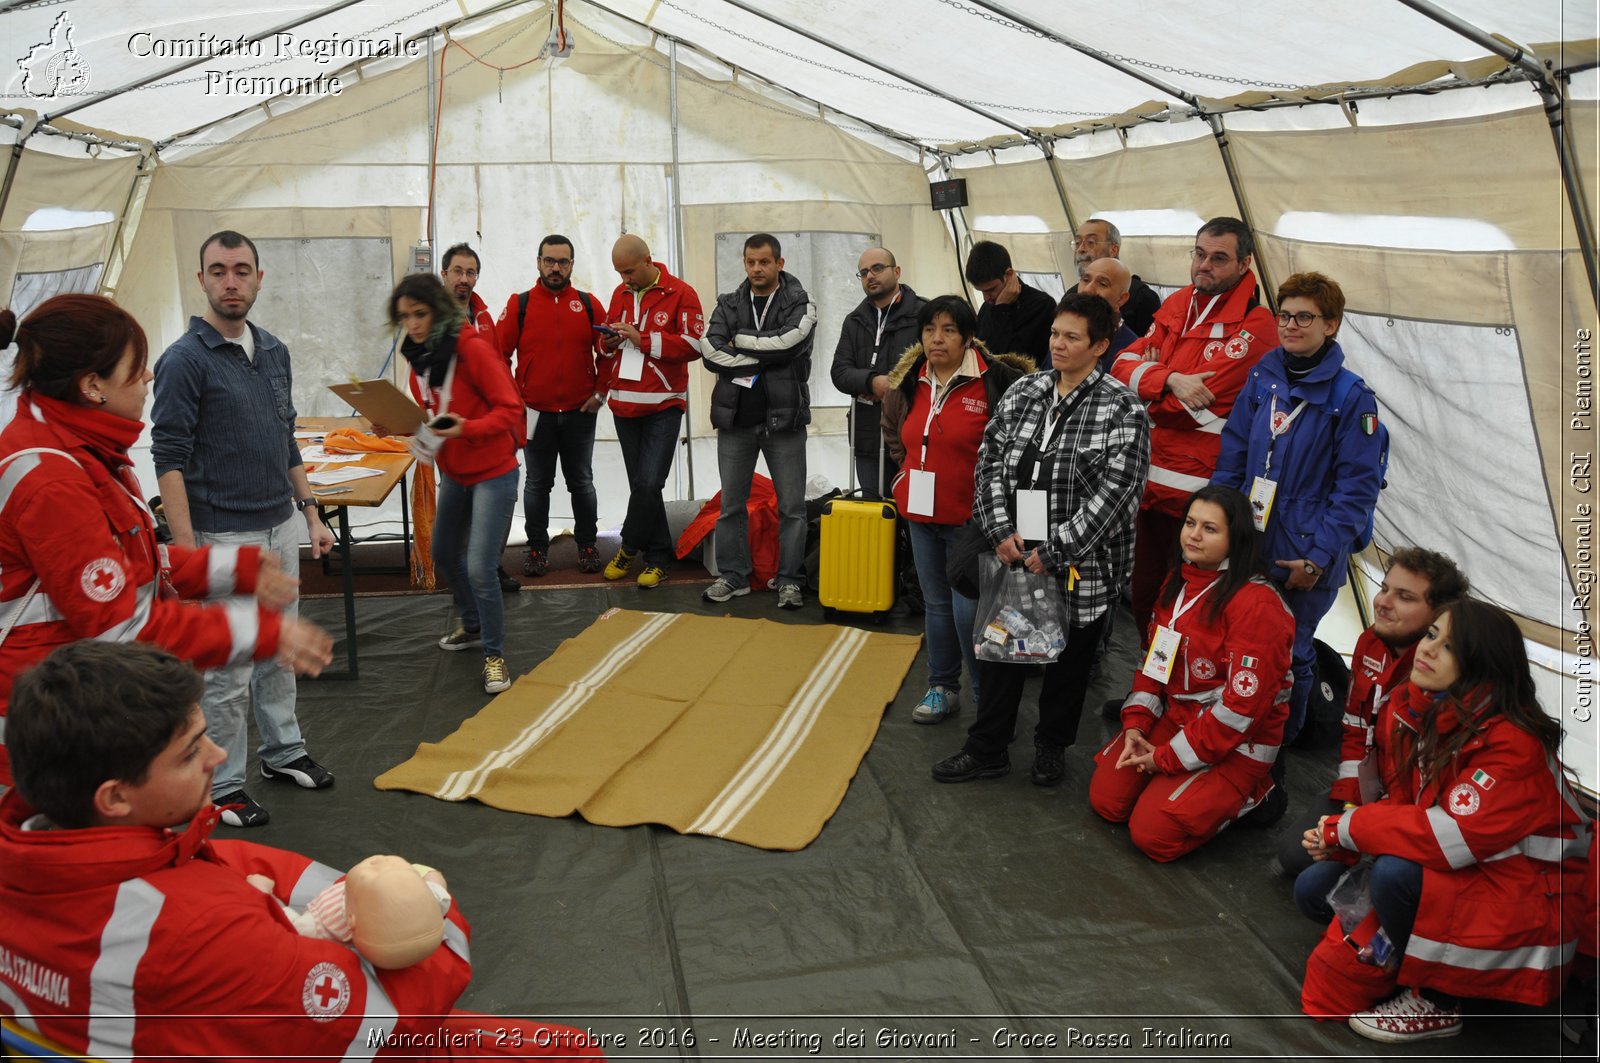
{"x": 382, "y": 403}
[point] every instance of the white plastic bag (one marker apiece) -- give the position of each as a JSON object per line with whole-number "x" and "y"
{"x": 1021, "y": 618}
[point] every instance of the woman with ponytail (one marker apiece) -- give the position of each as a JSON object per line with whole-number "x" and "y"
{"x": 78, "y": 552}
{"x": 1479, "y": 845}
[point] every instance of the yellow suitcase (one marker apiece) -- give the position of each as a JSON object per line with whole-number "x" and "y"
{"x": 856, "y": 566}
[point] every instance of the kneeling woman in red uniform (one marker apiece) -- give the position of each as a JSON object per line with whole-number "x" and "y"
{"x": 1478, "y": 882}
{"x": 476, "y": 410}
{"x": 1205, "y": 717}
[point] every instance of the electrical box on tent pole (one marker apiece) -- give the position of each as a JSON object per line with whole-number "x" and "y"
{"x": 421, "y": 258}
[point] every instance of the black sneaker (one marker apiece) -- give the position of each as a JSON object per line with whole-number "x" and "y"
{"x": 508, "y": 582}
{"x": 239, "y": 811}
{"x": 1049, "y": 764}
{"x": 1112, "y": 709}
{"x": 1270, "y": 809}
{"x": 302, "y": 771}
{"x": 964, "y": 767}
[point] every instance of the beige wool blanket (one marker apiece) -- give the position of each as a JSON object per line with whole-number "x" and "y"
{"x": 748, "y": 730}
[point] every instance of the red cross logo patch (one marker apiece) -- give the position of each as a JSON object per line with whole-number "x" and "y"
{"x": 1237, "y": 347}
{"x": 661, "y": 319}
{"x": 326, "y": 993}
{"x": 1279, "y": 419}
{"x": 1245, "y": 683}
{"x": 102, "y": 580}
{"x": 1203, "y": 668}
{"x": 1212, "y": 349}
{"x": 1464, "y": 799}
{"x": 575, "y": 306}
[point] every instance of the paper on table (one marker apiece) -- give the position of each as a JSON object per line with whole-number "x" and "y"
{"x": 339, "y": 476}
{"x": 329, "y": 459}
{"x": 308, "y": 433}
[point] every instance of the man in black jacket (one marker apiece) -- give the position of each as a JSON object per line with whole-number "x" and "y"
{"x": 872, "y": 339}
{"x": 759, "y": 345}
{"x": 1014, "y": 318}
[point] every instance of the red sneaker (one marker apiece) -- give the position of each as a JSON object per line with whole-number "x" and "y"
{"x": 1407, "y": 1016}
{"x": 588, "y": 559}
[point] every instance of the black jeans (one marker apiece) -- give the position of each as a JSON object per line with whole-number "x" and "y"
{"x": 570, "y": 437}
{"x": 1066, "y": 681}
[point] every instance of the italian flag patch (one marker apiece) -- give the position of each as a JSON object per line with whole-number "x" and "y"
{"x": 1483, "y": 779}
{"x": 1369, "y": 423}
{"x": 1247, "y": 662}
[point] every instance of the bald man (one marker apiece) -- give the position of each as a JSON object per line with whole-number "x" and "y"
{"x": 654, "y": 322}
{"x": 1110, "y": 280}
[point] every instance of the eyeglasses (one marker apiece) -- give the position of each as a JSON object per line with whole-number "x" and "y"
{"x": 1216, "y": 258}
{"x": 1303, "y": 318}
{"x": 460, "y": 271}
{"x": 562, "y": 262}
{"x": 872, "y": 270}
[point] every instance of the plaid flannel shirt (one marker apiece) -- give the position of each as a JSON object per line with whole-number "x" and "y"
{"x": 1102, "y": 461}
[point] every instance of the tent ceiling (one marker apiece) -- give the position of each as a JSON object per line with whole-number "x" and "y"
{"x": 986, "y": 75}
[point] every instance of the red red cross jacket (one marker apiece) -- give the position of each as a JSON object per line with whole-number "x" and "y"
{"x": 479, "y": 318}
{"x": 1375, "y": 671}
{"x": 480, "y": 392}
{"x": 1230, "y": 680}
{"x": 670, "y": 321}
{"x": 1502, "y": 844}
{"x": 75, "y": 530}
{"x": 556, "y": 350}
{"x": 1230, "y": 339}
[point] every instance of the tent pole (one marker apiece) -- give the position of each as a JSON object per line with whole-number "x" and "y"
{"x": 433, "y": 155}
{"x": 675, "y": 202}
{"x": 117, "y": 258}
{"x": 1220, "y": 133}
{"x": 1061, "y": 189}
{"x": 16, "y": 160}
{"x": 1550, "y": 92}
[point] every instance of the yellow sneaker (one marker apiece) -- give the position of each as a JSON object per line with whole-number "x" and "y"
{"x": 652, "y": 576}
{"x": 495, "y": 677}
{"x": 619, "y": 564}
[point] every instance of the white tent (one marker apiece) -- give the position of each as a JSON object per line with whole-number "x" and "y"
{"x": 1438, "y": 158}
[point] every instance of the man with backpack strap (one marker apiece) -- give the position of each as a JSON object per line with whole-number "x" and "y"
{"x": 551, "y": 330}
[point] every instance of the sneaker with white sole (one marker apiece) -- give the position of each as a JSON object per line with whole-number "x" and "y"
{"x": 936, "y": 706}
{"x": 302, "y": 771}
{"x": 495, "y": 676}
{"x": 724, "y": 590}
{"x": 652, "y": 576}
{"x": 1407, "y": 1016}
{"x": 239, "y": 811}
{"x": 789, "y": 597}
{"x": 461, "y": 639}
{"x": 620, "y": 562}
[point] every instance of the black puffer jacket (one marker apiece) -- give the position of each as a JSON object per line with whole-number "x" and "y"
{"x": 779, "y": 351}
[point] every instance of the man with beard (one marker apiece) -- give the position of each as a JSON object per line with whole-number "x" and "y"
{"x": 1418, "y": 584}
{"x": 1097, "y": 239}
{"x": 222, "y": 439}
{"x": 1188, "y": 370}
{"x": 872, "y": 338}
{"x": 551, "y": 329}
{"x": 460, "y": 271}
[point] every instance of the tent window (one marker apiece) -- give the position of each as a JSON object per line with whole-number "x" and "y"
{"x": 27, "y": 292}
{"x": 1153, "y": 222}
{"x": 825, "y": 262}
{"x": 1049, "y": 283}
{"x": 1394, "y": 230}
{"x": 54, "y": 219}
{"x": 1010, "y": 223}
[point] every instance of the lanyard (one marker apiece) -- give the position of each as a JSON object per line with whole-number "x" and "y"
{"x": 883, "y": 319}
{"x": 437, "y": 401}
{"x": 1180, "y": 606}
{"x": 638, "y": 307}
{"x": 936, "y": 400}
{"x": 1274, "y": 430}
{"x": 761, "y": 318}
{"x": 1203, "y": 314}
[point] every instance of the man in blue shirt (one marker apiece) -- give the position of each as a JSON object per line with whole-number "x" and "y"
{"x": 230, "y": 474}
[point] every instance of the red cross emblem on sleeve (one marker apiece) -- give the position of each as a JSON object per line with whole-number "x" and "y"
{"x": 1464, "y": 799}
{"x": 102, "y": 579}
{"x": 326, "y": 992}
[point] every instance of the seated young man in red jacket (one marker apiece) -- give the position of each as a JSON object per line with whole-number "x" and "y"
{"x": 117, "y": 932}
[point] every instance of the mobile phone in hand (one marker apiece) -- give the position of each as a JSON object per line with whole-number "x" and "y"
{"x": 444, "y": 420}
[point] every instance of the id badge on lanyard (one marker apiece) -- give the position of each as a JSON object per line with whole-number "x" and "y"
{"x": 1166, "y": 643}
{"x": 1264, "y": 488}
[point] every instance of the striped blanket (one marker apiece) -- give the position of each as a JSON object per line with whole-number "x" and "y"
{"x": 748, "y": 730}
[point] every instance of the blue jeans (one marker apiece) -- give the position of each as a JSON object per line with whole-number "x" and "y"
{"x": 469, "y": 531}
{"x": 736, "y": 463}
{"x": 1395, "y": 885}
{"x": 569, "y": 436}
{"x": 1308, "y": 607}
{"x": 948, "y": 616}
{"x": 648, "y": 446}
{"x": 230, "y": 689}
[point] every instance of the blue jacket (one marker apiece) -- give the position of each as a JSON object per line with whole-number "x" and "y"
{"x": 1327, "y": 465}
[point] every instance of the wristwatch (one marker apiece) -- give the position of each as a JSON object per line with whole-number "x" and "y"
{"x": 302, "y": 504}
{"x": 1311, "y": 570}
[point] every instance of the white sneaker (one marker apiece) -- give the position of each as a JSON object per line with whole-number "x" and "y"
{"x": 723, "y": 591}
{"x": 789, "y": 597}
